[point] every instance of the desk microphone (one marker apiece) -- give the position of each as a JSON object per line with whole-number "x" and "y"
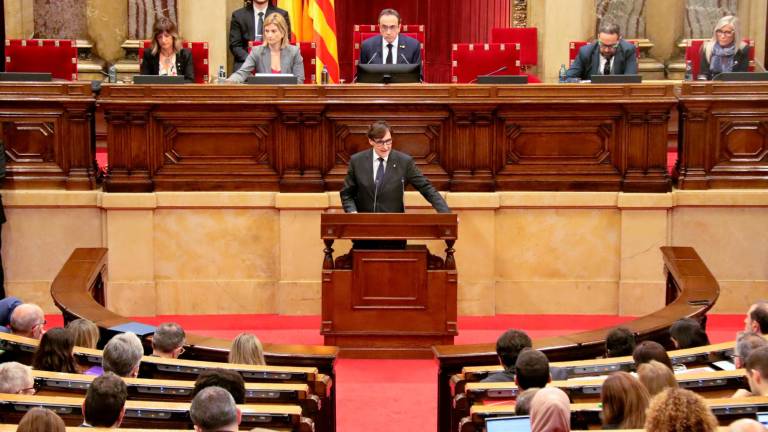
{"x": 501, "y": 69}
{"x": 402, "y": 56}
{"x": 371, "y": 59}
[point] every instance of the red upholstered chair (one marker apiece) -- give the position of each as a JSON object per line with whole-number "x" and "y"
{"x": 470, "y": 60}
{"x": 199, "y": 58}
{"x": 364, "y": 31}
{"x": 56, "y": 56}
{"x": 693, "y": 53}
{"x": 308, "y": 54}
{"x": 528, "y": 39}
{"x": 573, "y": 50}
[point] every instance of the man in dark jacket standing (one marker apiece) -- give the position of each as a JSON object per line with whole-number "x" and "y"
{"x": 247, "y": 24}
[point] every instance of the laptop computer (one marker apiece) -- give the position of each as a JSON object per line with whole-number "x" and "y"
{"x": 502, "y": 79}
{"x": 508, "y": 424}
{"x": 158, "y": 79}
{"x": 741, "y": 76}
{"x": 26, "y": 76}
{"x": 616, "y": 79}
{"x": 273, "y": 79}
{"x": 762, "y": 417}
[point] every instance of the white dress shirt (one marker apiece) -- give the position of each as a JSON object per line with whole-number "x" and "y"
{"x": 385, "y": 50}
{"x": 602, "y": 65}
{"x": 376, "y": 164}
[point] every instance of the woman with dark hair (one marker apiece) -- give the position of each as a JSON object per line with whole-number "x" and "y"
{"x": 54, "y": 353}
{"x": 166, "y": 56}
{"x": 687, "y": 333}
{"x": 41, "y": 420}
{"x": 725, "y": 52}
{"x": 624, "y": 402}
{"x": 650, "y": 350}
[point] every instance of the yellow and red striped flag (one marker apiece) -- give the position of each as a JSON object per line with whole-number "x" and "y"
{"x": 323, "y": 16}
{"x": 295, "y": 9}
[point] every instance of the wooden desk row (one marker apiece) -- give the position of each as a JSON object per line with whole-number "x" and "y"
{"x": 464, "y": 137}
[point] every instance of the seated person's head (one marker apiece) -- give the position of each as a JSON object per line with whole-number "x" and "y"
{"x": 122, "y": 355}
{"x": 276, "y": 30}
{"x": 746, "y": 425}
{"x": 104, "y": 404}
{"x": 509, "y": 345}
{"x": 54, "y": 353}
{"x": 550, "y": 411}
{"x": 619, "y": 342}
{"x": 165, "y": 36}
{"x": 757, "y": 371}
{"x": 28, "y": 320}
{"x": 745, "y": 344}
{"x": 16, "y": 378}
{"x": 168, "y": 340}
{"x": 84, "y": 332}
{"x": 532, "y": 369}
{"x": 757, "y": 318}
{"x": 687, "y": 333}
{"x": 677, "y": 409}
{"x": 247, "y": 349}
{"x": 229, "y": 380}
{"x": 214, "y": 409}
{"x": 624, "y": 401}
{"x": 650, "y": 350}
{"x": 608, "y": 36}
{"x": 656, "y": 377}
{"x": 523, "y": 401}
{"x": 41, "y": 420}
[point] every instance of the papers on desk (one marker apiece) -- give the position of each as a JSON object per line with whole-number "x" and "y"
{"x": 692, "y": 370}
{"x": 725, "y": 365}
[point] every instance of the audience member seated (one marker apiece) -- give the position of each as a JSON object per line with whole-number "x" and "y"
{"x": 757, "y": 374}
{"x": 247, "y": 349}
{"x": 41, "y": 420}
{"x": 16, "y": 378}
{"x": 725, "y": 52}
{"x": 508, "y": 347}
{"x": 757, "y": 318}
{"x": 229, "y": 380}
{"x": 104, "y": 404}
{"x": 624, "y": 401}
{"x": 746, "y": 342}
{"x": 166, "y": 56}
{"x": 650, "y": 350}
{"x": 7, "y": 305}
{"x": 276, "y": 55}
{"x": 677, "y": 409}
{"x": 54, "y": 353}
{"x": 609, "y": 55}
{"x": 687, "y": 333}
{"x": 550, "y": 411}
{"x": 523, "y": 401}
{"x": 122, "y": 355}
{"x": 86, "y": 335}
{"x": 390, "y": 47}
{"x": 532, "y": 369}
{"x": 656, "y": 377}
{"x": 619, "y": 342}
{"x": 168, "y": 340}
{"x": 746, "y": 425}
{"x": 214, "y": 409}
{"x": 28, "y": 320}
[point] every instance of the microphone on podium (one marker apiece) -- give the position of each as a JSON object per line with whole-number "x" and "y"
{"x": 501, "y": 69}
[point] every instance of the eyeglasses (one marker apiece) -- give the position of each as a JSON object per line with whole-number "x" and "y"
{"x": 383, "y": 143}
{"x": 387, "y": 28}
{"x": 610, "y": 47}
{"x": 30, "y": 390}
{"x": 43, "y": 323}
{"x": 725, "y": 32}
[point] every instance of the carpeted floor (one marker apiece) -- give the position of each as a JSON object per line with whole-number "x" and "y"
{"x": 385, "y": 395}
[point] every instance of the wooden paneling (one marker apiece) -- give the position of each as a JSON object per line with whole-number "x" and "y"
{"x": 463, "y": 137}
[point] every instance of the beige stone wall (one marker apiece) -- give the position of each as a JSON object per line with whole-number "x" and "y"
{"x": 260, "y": 252}
{"x": 559, "y": 22}
{"x": 108, "y": 28}
{"x": 19, "y": 19}
{"x": 207, "y": 20}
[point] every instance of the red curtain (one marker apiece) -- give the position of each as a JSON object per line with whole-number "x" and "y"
{"x": 446, "y": 21}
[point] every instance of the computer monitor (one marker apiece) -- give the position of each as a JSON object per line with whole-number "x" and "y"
{"x": 158, "y": 79}
{"x": 741, "y": 76}
{"x": 26, "y": 76}
{"x": 272, "y": 79}
{"x": 508, "y": 424}
{"x": 389, "y": 73}
{"x": 502, "y": 79}
{"x": 616, "y": 79}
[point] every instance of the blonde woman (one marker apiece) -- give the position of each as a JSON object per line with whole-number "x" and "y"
{"x": 84, "y": 332}
{"x": 725, "y": 52}
{"x": 275, "y": 56}
{"x": 247, "y": 349}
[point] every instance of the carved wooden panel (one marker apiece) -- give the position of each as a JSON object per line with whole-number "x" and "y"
{"x": 29, "y": 141}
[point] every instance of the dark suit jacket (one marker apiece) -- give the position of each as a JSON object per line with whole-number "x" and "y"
{"x": 359, "y": 192}
{"x": 242, "y": 29}
{"x": 587, "y": 62}
{"x": 740, "y": 61}
{"x": 7, "y": 306}
{"x": 407, "y": 47}
{"x": 184, "y": 65}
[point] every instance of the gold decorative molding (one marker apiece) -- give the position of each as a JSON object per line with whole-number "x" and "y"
{"x": 520, "y": 13}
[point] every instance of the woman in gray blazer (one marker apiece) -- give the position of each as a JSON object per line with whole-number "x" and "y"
{"x": 276, "y": 55}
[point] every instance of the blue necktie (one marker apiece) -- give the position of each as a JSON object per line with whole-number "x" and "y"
{"x": 379, "y": 172}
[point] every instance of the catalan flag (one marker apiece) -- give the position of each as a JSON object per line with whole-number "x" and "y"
{"x": 323, "y": 16}
{"x": 295, "y": 9}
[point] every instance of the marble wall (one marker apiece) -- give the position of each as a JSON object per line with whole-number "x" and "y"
{"x": 61, "y": 19}
{"x": 142, "y": 14}
{"x": 702, "y": 15}
{"x": 628, "y": 14}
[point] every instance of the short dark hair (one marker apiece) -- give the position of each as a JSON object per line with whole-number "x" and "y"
{"x": 619, "y": 342}
{"x": 760, "y": 315}
{"x": 378, "y": 129}
{"x": 389, "y": 11}
{"x": 104, "y": 400}
{"x": 213, "y": 408}
{"x": 688, "y": 333}
{"x": 509, "y": 345}
{"x": 758, "y": 360}
{"x": 531, "y": 369}
{"x": 227, "y": 379}
{"x": 609, "y": 28}
{"x": 650, "y": 350}
{"x": 168, "y": 337}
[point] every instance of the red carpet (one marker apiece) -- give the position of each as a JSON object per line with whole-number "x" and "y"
{"x": 409, "y": 392}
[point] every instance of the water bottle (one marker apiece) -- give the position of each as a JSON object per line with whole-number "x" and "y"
{"x": 324, "y": 77}
{"x": 112, "y": 74}
{"x": 563, "y": 75}
{"x": 222, "y": 73}
{"x": 688, "y": 71}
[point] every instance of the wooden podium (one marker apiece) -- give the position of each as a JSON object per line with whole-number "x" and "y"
{"x": 389, "y": 303}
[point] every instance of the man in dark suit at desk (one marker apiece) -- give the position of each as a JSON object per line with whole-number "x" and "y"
{"x": 390, "y": 47}
{"x": 247, "y": 24}
{"x": 609, "y": 55}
